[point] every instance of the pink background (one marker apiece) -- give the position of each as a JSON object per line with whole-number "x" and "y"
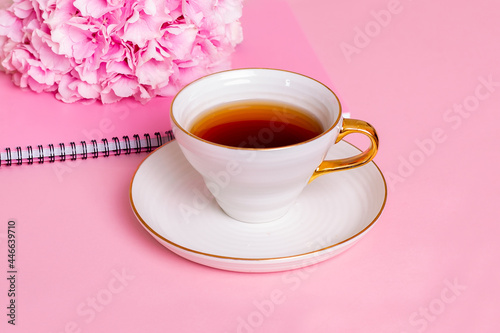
{"x": 424, "y": 73}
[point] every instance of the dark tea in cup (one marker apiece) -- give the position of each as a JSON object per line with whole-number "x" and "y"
{"x": 256, "y": 124}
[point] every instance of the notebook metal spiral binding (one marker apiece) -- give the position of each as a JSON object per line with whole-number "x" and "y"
{"x": 83, "y": 151}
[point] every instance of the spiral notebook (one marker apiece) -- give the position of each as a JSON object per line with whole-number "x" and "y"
{"x": 83, "y": 149}
{"x": 37, "y": 128}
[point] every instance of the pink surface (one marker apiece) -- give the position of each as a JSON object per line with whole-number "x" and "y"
{"x": 424, "y": 73}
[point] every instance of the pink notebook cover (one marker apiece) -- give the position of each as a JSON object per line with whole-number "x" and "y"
{"x": 31, "y": 119}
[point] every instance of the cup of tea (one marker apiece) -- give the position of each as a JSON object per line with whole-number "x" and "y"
{"x": 259, "y": 136}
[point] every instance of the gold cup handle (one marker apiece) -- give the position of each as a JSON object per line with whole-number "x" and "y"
{"x": 350, "y": 126}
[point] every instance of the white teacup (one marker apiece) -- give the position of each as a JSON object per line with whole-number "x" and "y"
{"x": 261, "y": 184}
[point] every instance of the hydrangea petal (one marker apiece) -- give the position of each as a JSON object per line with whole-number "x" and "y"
{"x": 154, "y": 73}
{"x": 92, "y": 8}
{"x": 10, "y": 26}
{"x": 106, "y": 50}
{"x": 88, "y": 91}
{"x": 125, "y": 86}
{"x": 181, "y": 40}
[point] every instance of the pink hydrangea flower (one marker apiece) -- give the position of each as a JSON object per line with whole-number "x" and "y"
{"x": 112, "y": 49}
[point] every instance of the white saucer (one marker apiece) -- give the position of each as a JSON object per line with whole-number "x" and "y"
{"x": 334, "y": 211}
